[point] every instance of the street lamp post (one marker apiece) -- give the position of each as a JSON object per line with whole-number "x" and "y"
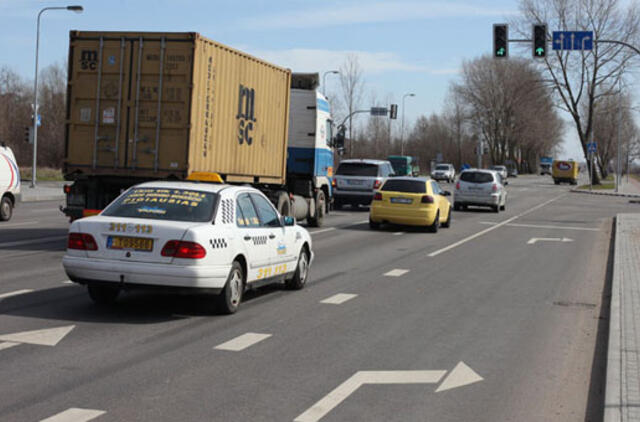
{"x": 324, "y": 80}
{"x": 77, "y": 9}
{"x": 409, "y": 94}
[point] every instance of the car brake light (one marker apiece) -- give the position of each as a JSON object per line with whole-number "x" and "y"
{"x": 494, "y": 188}
{"x": 183, "y": 249}
{"x": 82, "y": 241}
{"x": 333, "y": 182}
{"x": 376, "y": 184}
{"x": 67, "y": 189}
{"x": 427, "y": 199}
{"x": 458, "y": 186}
{"x": 377, "y": 196}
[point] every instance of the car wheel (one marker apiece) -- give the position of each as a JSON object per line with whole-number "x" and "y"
{"x": 456, "y": 206}
{"x": 6, "y": 209}
{"x": 503, "y": 207}
{"x": 433, "y": 228}
{"x": 495, "y": 208}
{"x": 103, "y": 295}
{"x": 231, "y": 296}
{"x": 373, "y": 225}
{"x": 302, "y": 272}
{"x": 318, "y": 217}
{"x": 447, "y": 223}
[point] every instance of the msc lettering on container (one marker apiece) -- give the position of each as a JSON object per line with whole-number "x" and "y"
{"x": 246, "y": 114}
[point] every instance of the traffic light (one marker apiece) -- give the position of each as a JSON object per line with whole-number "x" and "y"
{"x": 539, "y": 41}
{"x": 28, "y": 134}
{"x": 393, "y": 111}
{"x": 500, "y": 41}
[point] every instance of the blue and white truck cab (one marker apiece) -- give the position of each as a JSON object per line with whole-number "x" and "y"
{"x": 309, "y": 153}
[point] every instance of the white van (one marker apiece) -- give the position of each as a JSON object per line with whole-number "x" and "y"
{"x": 9, "y": 182}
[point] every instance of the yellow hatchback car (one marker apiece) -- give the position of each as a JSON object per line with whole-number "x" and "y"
{"x": 411, "y": 201}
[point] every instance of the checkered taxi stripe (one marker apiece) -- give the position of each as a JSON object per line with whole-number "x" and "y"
{"x": 227, "y": 211}
{"x": 218, "y": 243}
{"x": 259, "y": 240}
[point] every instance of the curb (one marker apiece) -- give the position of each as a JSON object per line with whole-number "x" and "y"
{"x": 612, "y": 391}
{"x": 620, "y": 195}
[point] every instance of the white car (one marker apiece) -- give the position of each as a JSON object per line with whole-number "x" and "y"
{"x": 444, "y": 172}
{"x": 187, "y": 236}
{"x": 484, "y": 188}
{"x": 9, "y": 183}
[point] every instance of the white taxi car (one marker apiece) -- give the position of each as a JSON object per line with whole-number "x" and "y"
{"x": 9, "y": 182}
{"x": 184, "y": 235}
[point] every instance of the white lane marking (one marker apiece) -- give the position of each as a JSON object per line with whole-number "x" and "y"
{"x": 398, "y": 233}
{"x": 32, "y": 242}
{"x": 360, "y": 222}
{"x": 330, "y": 229}
{"x": 459, "y": 376}
{"x": 533, "y": 240}
{"x": 24, "y": 223}
{"x": 75, "y": 414}
{"x": 7, "y": 344}
{"x": 344, "y": 390}
{"x": 242, "y": 342}
{"x": 67, "y": 282}
{"x": 338, "y": 299}
{"x": 46, "y": 337}
{"x": 535, "y": 226}
{"x": 15, "y": 293}
{"x": 487, "y": 230}
{"x": 396, "y": 273}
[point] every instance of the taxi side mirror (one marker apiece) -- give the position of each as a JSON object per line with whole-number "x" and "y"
{"x": 288, "y": 221}
{"x": 446, "y": 193}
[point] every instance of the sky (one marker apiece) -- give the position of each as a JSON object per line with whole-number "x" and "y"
{"x": 405, "y": 46}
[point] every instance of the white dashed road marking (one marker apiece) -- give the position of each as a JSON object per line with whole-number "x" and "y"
{"x": 487, "y": 230}
{"x": 533, "y": 226}
{"x": 75, "y": 415}
{"x": 7, "y": 344}
{"x": 67, "y": 282}
{"x": 330, "y": 229}
{"x": 338, "y": 299}
{"x": 242, "y": 342}
{"x": 396, "y": 273}
{"x": 398, "y": 233}
{"x": 16, "y": 293}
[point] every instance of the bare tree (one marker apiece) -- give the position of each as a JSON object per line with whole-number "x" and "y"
{"x": 582, "y": 78}
{"x": 352, "y": 84}
{"x": 457, "y": 115}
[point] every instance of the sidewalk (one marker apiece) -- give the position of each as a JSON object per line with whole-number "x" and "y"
{"x": 622, "y": 395}
{"x": 629, "y": 189}
{"x": 44, "y": 191}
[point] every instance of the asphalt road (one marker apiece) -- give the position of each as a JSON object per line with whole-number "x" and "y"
{"x": 506, "y": 328}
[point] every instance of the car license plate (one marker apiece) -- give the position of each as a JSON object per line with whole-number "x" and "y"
{"x": 401, "y": 201}
{"x": 355, "y": 182}
{"x": 137, "y": 243}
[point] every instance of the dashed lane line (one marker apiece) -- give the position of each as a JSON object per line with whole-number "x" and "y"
{"x": 15, "y": 293}
{"x": 242, "y": 342}
{"x": 396, "y": 273}
{"x": 339, "y": 298}
{"x": 75, "y": 414}
{"x": 330, "y": 229}
{"x": 487, "y": 230}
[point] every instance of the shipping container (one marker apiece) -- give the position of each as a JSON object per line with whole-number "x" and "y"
{"x": 168, "y": 105}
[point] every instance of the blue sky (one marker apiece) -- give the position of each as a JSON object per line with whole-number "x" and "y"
{"x": 402, "y": 46}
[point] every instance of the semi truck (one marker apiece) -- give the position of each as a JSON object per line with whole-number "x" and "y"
{"x": 160, "y": 105}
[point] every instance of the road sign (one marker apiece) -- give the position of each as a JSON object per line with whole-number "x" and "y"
{"x": 592, "y": 147}
{"x": 379, "y": 111}
{"x": 572, "y": 40}
{"x": 39, "y": 120}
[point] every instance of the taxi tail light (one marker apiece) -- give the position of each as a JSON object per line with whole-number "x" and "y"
{"x": 183, "y": 249}
{"x": 458, "y": 186}
{"x": 82, "y": 241}
{"x": 376, "y": 184}
{"x": 333, "y": 182}
{"x": 377, "y": 196}
{"x": 494, "y": 188}
{"x": 427, "y": 199}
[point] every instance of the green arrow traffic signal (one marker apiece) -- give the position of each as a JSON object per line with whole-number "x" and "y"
{"x": 500, "y": 52}
{"x": 539, "y": 51}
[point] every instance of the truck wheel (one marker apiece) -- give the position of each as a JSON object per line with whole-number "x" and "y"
{"x": 6, "y": 209}
{"x": 284, "y": 204}
{"x": 320, "y": 203}
{"x": 302, "y": 272}
{"x": 103, "y": 295}
{"x": 229, "y": 299}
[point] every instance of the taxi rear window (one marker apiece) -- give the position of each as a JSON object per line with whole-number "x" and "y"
{"x": 408, "y": 186}
{"x": 357, "y": 169}
{"x": 164, "y": 204}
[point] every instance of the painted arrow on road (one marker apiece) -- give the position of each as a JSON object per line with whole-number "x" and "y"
{"x": 46, "y": 337}
{"x": 533, "y": 240}
{"x": 460, "y": 375}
